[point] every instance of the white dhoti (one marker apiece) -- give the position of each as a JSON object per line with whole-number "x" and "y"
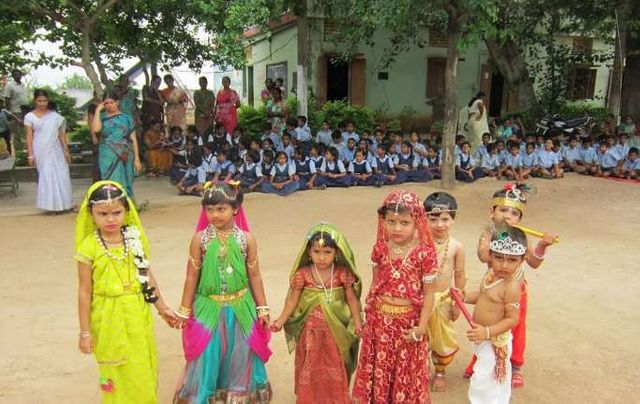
{"x": 485, "y": 387}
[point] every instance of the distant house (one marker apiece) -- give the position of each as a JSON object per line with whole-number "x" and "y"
{"x": 416, "y": 79}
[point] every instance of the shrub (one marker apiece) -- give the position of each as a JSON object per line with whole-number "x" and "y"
{"x": 83, "y": 135}
{"x": 251, "y": 119}
{"x": 336, "y": 111}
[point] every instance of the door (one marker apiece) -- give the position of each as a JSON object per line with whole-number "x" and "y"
{"x": 358, "y": 81}
{"x": 337, "y": 79}
{"x": 250, "y": 89}
{"x": 436, "y": 68}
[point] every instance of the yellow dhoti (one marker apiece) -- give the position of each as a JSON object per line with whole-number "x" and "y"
{"x": 442, "y": 336}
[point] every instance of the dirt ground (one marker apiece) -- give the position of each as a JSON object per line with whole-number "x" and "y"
{"x": 583, "y": 305}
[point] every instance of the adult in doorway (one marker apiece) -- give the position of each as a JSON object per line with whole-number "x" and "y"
{"x": 176, "y": 100}
{"x": 277, "y": 111}
{"x": 265, "y": 94}
{"x": 478, "y": 123}
{"x": 205, "y": 103}
{"x": 118, "y": 145}
{"x": 227, "y": 104}
{"x": 49, "y": 153}
{"x": 152, "y": 103}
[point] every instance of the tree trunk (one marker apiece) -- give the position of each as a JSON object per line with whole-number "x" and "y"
{"x": 511, "y": 64}
{"x": 89, "y": 70}
{"x": 303, "y": 59}
{"x": 615, "y": 91}
{"x": 631, "y": 84}
{"x": 451, "y": 99}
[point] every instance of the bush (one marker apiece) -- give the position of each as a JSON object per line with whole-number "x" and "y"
{"x": 251, "y": 120}
{"x": 336, "y": 111}
{"x": 83, "y": 135}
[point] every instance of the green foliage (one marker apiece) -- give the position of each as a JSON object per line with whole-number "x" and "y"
{"x": 336, "y": 111}
{"x": 76, "y": 82}
{"x": 251, "y": 120}
{"x": 82, "y": 134}
{"x": 407, "y": 117}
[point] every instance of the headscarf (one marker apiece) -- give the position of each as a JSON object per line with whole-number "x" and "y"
{"x": 85, "y": 225}
{"x": 410, "y": 202}
{"x": 345, "y": 257}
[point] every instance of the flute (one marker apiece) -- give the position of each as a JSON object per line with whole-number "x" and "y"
{"x": 534, "y": 233}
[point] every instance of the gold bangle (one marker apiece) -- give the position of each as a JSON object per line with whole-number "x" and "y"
{"x": 197, "y": 264}
{"x": 253, "y": 263}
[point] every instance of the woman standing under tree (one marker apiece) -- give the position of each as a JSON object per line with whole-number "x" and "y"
{"x": 205, "y": 102}
{"x": 277, "y": 111}
{"x": 227, "y": 104}
{"x": 478, "y": 124}
{"x": 118, "y": 148}
{"x": 152, "y": 103}
{"x": 176, "y": 100}
{"x": 49, "y": 153}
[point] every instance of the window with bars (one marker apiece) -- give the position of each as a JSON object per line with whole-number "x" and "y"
{"x": 437, "y": 38}
{"x": 582, "y": 83}
{"x": 330, "y": 30}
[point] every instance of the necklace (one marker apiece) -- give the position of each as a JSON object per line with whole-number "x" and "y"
{"x": 328, "y": 296}
{"x": 223, "y": 251}
{"x": 445, "y": 254}
{"x": 395, "y": 272}
{"x": 492, "y": 284}
{"x": 126, "y": 284}
{"x": 402, "y": 249}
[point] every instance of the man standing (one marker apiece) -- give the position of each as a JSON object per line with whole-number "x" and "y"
{"x": 15, "y": 94}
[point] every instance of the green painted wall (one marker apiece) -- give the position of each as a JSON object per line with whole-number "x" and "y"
{"x": 281, "y": 47}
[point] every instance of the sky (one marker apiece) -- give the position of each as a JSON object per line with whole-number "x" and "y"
{"x": 47, "y": 76}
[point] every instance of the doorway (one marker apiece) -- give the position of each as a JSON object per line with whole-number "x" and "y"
{"x": 496, "y": 93}
{"x": 337, "y": 79}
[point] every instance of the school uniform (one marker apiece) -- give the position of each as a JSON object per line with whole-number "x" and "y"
{"x": 317, "y": 161}
{"x": 225, "y": 168}
{"x": 621, "y": 150}
{"x": 547, "y": 159}
{"x": 277, "y": 143}
{"x": 529, "y": 160}
{"x": 414, "y": 174}
{"x": 432, "y": 165}
{"x": 490, "y": 162}
{"x": 467, "y": 162}
{"x": 248, "y": 174}
{"x": 347, "y": 155}
{"x": 481, "y": 152}
{"x": 608, "y": 161}
{"x": 350, "y": 135}
{"x": 190, "y": 160}
{"x": 333, "y": 167}
{"x": 362, "y": 168}
{"x": 588, "y": 155}
{"x": 304, "y": 169}
{"x": 632, "y": 165}
{"x": 571, "y": 155}
{"x": 502, "y": 156}
{"x": 384, "y": 168}
{"x": 288, "y": 151}
{"x": 265, "y": 169}
{"x": 324, "y": 137}
{"x": 303, "y": 137}
{"x": 279, "y": 174}
{"x": 207, "y": 169}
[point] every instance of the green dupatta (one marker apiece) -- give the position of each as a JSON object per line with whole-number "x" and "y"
{"x": 336, "y": 313}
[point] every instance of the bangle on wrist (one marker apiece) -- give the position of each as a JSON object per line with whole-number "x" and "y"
{"x": 183, "y": 312}
{"x": 84, "y": 334}
{"x": 539, "y": 252}
{"x": 488, "y": 331}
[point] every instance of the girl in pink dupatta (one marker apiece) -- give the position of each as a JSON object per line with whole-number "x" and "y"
{"x": 227, "y": 103}
{"x": 223, "y": 312}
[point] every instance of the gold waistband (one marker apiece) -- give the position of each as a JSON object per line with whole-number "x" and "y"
{"x": 391, "y": 310}
{"x": 228, "y": 297}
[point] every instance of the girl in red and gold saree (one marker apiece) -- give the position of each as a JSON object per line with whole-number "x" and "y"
{"x": 393, "y": 365}
{"x": 321, "y": 317}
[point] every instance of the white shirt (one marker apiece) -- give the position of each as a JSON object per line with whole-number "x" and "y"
{"x": 16, "y": 95}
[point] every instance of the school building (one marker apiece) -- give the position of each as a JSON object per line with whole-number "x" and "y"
{"x": 416, "y": 79}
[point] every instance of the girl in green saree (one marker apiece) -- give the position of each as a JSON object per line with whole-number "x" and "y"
{"x": 322, "y": 318}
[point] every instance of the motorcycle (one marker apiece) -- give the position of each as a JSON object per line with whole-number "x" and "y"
{"x": 551, "y": 125}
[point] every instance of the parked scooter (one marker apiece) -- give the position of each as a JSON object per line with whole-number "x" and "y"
{"x": 552, "y": 125}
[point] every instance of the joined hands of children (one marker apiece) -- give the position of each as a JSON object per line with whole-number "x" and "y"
{"x": 169, "y": 316}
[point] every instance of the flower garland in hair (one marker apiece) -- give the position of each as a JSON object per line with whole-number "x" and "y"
{"x": 134, "y": 245}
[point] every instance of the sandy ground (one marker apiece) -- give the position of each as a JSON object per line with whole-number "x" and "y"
{"x": 583, "y": 314}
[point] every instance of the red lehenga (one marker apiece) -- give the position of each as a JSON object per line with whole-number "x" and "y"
{"x": 390, "y": 369}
